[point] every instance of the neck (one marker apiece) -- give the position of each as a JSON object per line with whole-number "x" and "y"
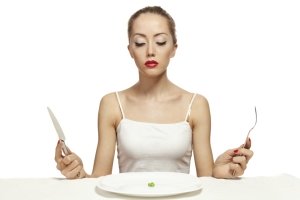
{"x": 150, "y": 87}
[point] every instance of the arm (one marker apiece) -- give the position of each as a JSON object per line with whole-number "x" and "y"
{"x": 71, "y": 165}
{"x": 201, "y": 124}
{"x": 231, "y": 163}
{"x": 107, "y": 122}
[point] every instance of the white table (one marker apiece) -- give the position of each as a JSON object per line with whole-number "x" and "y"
{"x": 283, "y": 187}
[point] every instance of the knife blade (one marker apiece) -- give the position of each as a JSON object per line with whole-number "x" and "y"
{"x": 59, "y": 131}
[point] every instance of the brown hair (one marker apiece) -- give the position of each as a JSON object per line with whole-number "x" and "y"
{"x": 155, "y": 10}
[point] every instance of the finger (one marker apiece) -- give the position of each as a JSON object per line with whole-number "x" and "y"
{"x": 77, "y": 171}
{"x": 229, "y": 155}
{"x": 235, "y": 152}
{"x": 68, "y": 172}
{"x": 64, "y": 148}
{"x": 69, "y": 151}
{"x": 60, "y": 166}
{"x": 58, "y": 150}
{"x": 247, "y": 153}
{"x": 236, "y": 170}
{"x": 248, "y": 143}
{"x": 68, "y": 159}
{"x": 69, "y": 162}
{"x": 241, "y": 160}
{"x": 72, "y": 172}
{"x": 71, "y": 158}
{"x": 81, "y": 174}
{"x": 71, "y": 166}
{"x": 232, "y": 152}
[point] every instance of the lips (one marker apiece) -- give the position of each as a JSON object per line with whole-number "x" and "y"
{"x": 151, "y": 63}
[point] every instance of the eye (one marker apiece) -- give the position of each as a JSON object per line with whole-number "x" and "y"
{"x": 161, "y": 43}
{"x": 139, "y": 44}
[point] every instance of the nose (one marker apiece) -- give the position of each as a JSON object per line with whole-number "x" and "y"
{"x": 151, "y": 50}
{"x": 151, "y": 55}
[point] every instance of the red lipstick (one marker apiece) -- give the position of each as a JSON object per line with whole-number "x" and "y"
{"x": 151, "y": 63}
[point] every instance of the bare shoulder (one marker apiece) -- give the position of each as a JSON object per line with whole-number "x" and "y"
{"x": 200, "y": 111}
{"x": 200, "y": 101}
{"x": 109, "y": 107}
{"x": 108, "y": 99}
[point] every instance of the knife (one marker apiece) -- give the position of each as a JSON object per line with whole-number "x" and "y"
{"x": 59, "y": 131}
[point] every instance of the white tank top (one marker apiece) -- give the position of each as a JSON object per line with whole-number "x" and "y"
{"x": 147, "y": 147}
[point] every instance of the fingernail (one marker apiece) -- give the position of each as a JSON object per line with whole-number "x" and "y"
{"x": 236, "y": 151}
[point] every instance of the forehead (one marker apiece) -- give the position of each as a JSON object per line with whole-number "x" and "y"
{"x": 150, "y": 23}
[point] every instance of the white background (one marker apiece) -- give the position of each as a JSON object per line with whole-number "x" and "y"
{"x": 68, "y": 54}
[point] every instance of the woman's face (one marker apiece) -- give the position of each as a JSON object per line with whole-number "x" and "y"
{"x": 151, "y": 44}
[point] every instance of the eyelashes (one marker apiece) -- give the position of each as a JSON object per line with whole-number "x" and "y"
{"x": 140, "y": 44}
{"x": 161, "y": 43}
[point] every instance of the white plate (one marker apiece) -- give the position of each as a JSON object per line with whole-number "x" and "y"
{"x": 136, "y": 183}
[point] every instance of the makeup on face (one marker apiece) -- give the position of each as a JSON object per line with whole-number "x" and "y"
{"x": 141, "y": 39}
{"x": 151, "y": 64}
{"x": 150, "y": 42}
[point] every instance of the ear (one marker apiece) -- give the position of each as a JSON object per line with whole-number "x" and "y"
{"x": 130, "y": 51}
{"x": 173, "y": 51}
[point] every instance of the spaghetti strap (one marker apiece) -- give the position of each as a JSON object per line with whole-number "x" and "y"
{"x": 120, "y": 105}
{"x": 189, "y": 109}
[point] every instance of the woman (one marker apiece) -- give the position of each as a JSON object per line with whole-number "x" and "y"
{"x": 155, "y": 124}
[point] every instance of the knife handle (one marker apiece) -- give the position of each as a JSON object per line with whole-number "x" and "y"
{"x": 64, "y": 148}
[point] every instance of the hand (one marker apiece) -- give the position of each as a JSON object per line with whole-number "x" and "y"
{"x": 70, "y": 165}
{"x": 233, "y": 162}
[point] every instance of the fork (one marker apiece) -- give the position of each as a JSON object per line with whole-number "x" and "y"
{"x": 243, "y": 146}
{"x": 251, "y": 128}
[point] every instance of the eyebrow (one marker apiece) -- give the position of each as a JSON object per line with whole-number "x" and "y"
{"x": 143, "y": 35}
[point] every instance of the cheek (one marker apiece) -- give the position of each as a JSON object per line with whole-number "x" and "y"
{"x": 138, "y": 57}
{"x": 172, "y": 51}
{"x": 166, "y": 51}
{"x": 138, "y": 54}
{"x": 165, "y": 54}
